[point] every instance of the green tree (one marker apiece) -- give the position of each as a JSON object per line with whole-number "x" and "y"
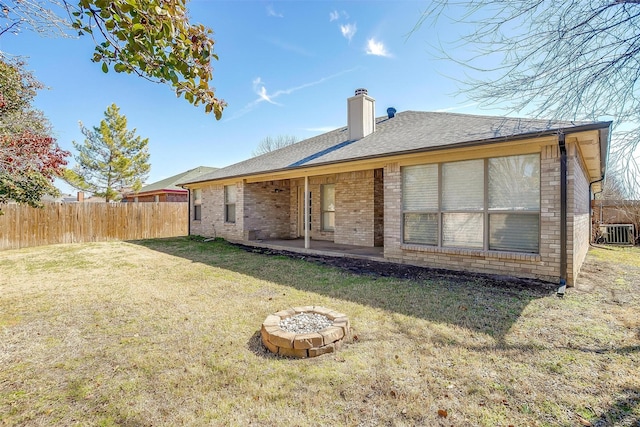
{"x": 153, "y": 39}
{"x": 270, "y": 143}
{"x": 111, "y": 159}
{"x": 562, "y": 59}
{"x": 30, "y": 159}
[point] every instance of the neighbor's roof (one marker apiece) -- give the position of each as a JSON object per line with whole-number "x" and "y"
{"x": 170, "y": 183}
{"x": 407, "y": 132}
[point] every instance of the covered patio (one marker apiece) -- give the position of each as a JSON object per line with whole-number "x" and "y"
{"x": 318, "y": 247}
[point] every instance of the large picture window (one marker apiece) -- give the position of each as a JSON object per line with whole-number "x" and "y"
{"x": 230, "y": 203}
{"x": 491, "y": 204}
{"x": 328, "y": 205}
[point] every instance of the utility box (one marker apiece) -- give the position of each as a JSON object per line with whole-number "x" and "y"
{"x": 617, "y": 234}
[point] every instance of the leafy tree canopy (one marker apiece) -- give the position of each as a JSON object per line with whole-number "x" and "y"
{"x": 30, "y": 158}
{"x": 562, "y": 59}
{"x": 150, "y": 38}
{"x": 111, "y": 159}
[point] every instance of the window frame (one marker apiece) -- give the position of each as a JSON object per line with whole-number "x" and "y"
{"x": 324, "y": 209}
{"x": 427, "y": 212}
{"x": 485, "y": 211}
{"x": 227, "y": 204}
{"x": 197, "y": 204}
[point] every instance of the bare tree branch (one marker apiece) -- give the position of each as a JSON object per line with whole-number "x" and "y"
{"x": 558, "y": 59}
{"x": 270, "y": 143}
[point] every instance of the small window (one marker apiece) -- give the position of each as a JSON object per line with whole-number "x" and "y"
{"x": 197, "y": 204}
{"x": 230, "y": 203}
{"x": 328, "y": 207}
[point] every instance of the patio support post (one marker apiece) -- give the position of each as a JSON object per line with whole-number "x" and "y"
{"x": 306, "y": 213}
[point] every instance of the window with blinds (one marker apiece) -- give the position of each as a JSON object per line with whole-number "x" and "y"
{"x": 197, "y": 204}
{"x": 230, "y": 203}
{"x": 420, "y": 204}
{"x": 514, "y": 203}
{"x": 328, "y": 205}
{"x": 483, "y": 204}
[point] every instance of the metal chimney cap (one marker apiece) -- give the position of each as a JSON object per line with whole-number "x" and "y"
{"x": 391, "y": 112}
{"x": 361, "y": 91}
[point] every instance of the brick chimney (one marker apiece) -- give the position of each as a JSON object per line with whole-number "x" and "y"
{"x": 361, "y": 115}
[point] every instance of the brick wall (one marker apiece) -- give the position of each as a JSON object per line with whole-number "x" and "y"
{"x": 369, "y": 212}
{"x": 378, "y": 207}
{"x": 355, "y": 208}
{"x": 545, "y": 265}
{"x": 359, "y": 207}
{"x": 266, "y": 210}
{"x": 392, "y": 211}
{"x": 580, "y": 207}
{"x": 550, "y": 210}
{"x": 212, "y": 222}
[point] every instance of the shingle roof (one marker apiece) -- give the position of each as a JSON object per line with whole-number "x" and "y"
{"x": 408, "y": 131}
{"x": 170, "y": 183}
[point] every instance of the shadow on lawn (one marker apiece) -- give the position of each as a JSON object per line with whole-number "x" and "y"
{"x": 625, "y": 411}
{"x": 482, "y": 303}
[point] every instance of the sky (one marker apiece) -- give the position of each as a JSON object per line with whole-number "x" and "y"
{"x": 284, "y": 68}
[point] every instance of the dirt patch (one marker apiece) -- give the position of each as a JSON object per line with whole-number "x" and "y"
{"x": 411, "y": 272}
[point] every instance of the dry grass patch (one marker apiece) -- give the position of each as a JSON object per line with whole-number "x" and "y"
{"x": 166, "y": 333}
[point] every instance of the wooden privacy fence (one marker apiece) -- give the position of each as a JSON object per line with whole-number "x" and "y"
{"x": 23, "y": 226}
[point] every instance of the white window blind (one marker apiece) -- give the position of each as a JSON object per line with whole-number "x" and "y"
{"x": 514, "y": 183}
{"x": 463, "y": 185}
{"x": 420, "y": 188}
{"x": 230, "y": 203}
{"x": 514, "y": 232}
{"x": 463, "y": 230}
{"x": 328, "y": 204}
{"x": 421, "y": 228}
{"x": 197, "y": 204}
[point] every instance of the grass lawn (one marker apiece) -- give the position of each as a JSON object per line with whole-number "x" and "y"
{"x": 166, "y": 332}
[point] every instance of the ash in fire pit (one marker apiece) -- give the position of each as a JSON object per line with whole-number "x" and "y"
{"x": 305, "y": 331}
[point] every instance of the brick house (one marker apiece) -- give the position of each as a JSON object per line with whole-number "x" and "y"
{"x": 486, "y": 194}
{"x": 166, "y": 190}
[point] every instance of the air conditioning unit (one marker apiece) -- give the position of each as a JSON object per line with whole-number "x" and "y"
{"x": 617, "y": 234}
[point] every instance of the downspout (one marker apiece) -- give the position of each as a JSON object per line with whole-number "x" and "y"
{"x": 563, "y": 214}
{"x": 188, "y": 212}
{"x": 591, "y": 209}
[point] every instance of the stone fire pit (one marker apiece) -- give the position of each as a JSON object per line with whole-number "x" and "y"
{"x": 324, "y": 331}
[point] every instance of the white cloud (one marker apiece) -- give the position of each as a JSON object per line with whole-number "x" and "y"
{"x": 272, "y": 12}
{"x": 376, "y": 48}
{"x": 261, "y": 91}
{"x": 348, "y": 31}
{"x": 263, "y": 96}
{"x": 335, "y": 15}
